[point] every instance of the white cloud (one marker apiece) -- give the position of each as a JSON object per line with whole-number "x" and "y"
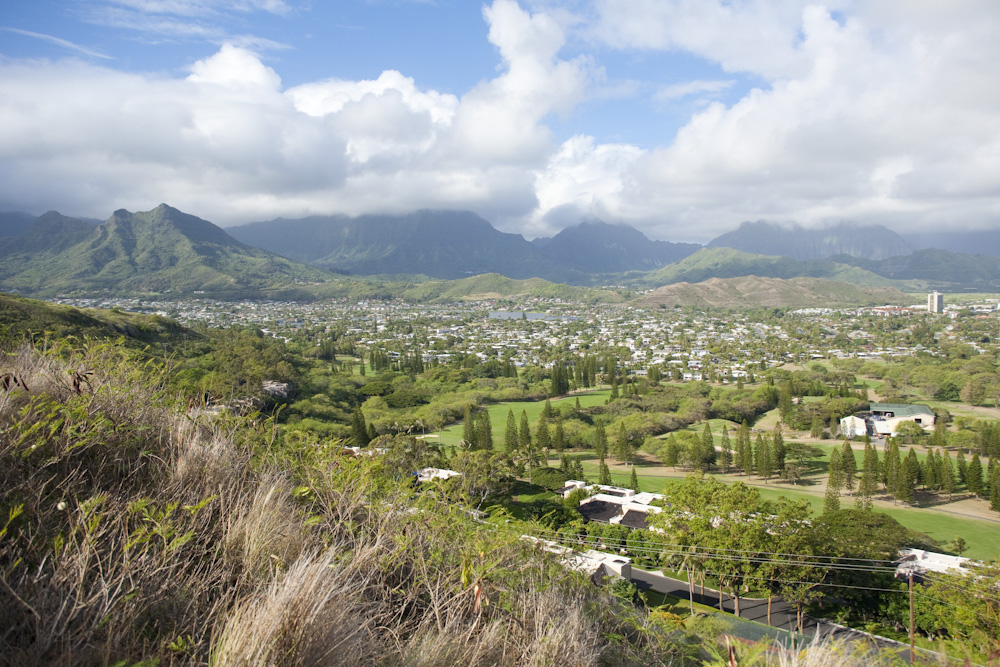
{"x": 680, "y": 90}
{"x": 58, "y": 41}
{"x": 228, "y": 143}
{"x": 882, "y": 113}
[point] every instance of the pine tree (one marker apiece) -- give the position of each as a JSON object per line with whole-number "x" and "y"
{"x": 671, "y": 453}
{"x": 578, "y": 469}
{"x": 994, "y": 487}
{"x": 543, "y": 439}
{"x": 831, "y": 500}
{"x": 727, "y": 450}
{"x": 868, "y": 483}
{"x": 547, "y": 410}
{"x": 469, "y": 428}
{"x": 907, "y": 482}
{"x": 633, "y": 482}
{"x": 759, "y": 453}
{"x": 624, "y": 444}
{"x": 948, "y": 480}
{"x": 510, "y": 439}
{"x": 485, "y": 431}
{"x": 614, "y": 388}
{"x": 849, "y": 465}
{"x": 974, "y": 475}
{"x": 836, "y": 475}
{"x": 524, "y": 433}
{"x": 707, "y": 440}
{"x": 559, "y": 437}
{"x": 778, "y": 449}
{"x": 565, "y": 467}
{"x": 605, "y": 473}
{"x": 765, "y": 458}
{"x": 893, "y": 463}
{"x": 962, "y": 466}
{"x": 359, "y": 430}
{"x": 600, "y": 440}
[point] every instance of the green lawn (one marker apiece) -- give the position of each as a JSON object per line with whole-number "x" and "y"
{"x": 452, "y": 435}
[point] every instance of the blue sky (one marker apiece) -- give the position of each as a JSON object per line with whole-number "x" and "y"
{"x": 680, "y": 117}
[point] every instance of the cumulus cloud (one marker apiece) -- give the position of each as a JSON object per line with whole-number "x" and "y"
{"x": 877, "y": 113}
{"x": 229, "y": 143}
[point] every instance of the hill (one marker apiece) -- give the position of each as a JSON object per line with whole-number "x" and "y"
{"x": 163, "y": 250}
{"x": 941, "y": 269}
{"x": 440, "y": 244}
{"x": 496, "y": 286}
{"x": 597, "y": 247}
{"x": 20, "y": 317}
{"x": 728, "y": 263}
{"x": 755, "y": 291}
{"x": 765, "y": 238}
{"x": 973, "y": 242}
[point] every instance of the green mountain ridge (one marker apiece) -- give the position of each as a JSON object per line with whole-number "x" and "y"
{"x": 163, "y": 250}
{"x": 722, "y": 262}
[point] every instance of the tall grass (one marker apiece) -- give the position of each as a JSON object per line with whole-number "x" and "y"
{"x": 133, "y": 530}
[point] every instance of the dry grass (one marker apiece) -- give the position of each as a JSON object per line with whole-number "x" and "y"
{"x": 140, "y": 532}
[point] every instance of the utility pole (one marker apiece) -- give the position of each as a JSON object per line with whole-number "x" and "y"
{"x": 911, "y": 616}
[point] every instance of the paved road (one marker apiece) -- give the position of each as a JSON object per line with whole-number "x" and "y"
{"x": 755, "y": 609}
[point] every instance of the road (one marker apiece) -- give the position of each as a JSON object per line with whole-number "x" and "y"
{"x": 755, "y": 609}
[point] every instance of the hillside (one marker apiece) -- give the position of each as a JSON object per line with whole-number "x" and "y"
{"x": 764, "y": 238}
{"x": 940, "y": 269}
{"x": 163, "y": 250}
{"x": 441, "y": 244}
{"x": 755, "y": 291}
{"x": 728, "y": 263}
{"x": 496, "y": 286}
{"x": 597, "y": 247}
{"x": 20, "y": 317}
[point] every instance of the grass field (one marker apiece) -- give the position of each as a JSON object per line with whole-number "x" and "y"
{"x": 983, "y": 537}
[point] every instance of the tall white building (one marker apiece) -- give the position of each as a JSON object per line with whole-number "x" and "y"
{"x": 935, "y": 302}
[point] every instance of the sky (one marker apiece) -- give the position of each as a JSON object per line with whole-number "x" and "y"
{"x": 682, "y": 118}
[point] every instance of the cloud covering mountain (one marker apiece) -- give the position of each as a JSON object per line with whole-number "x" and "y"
{"x": 882, "y": 112}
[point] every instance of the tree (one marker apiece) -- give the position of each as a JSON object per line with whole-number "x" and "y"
{"x": 624, "y": 445}
{"x": 605, "y": 474}
{"x": 849, "y": 465}
{"x": 868, "y": 484}
{"x": 559, "y": 436}
{"x": 469, "y": 429}
{"x": 543, "y": 440}
{"x": 974, "y": 475}
{"x": 633, "y": 482}
{"x": 948, "y": 482}
{"x": 359, "y": 430}
{"x": 831, "y": 501}
{"x": 727, "y": 450}
{"x": 994, "y": 486}
{"x": 484, "y": 432}
{"x": 670, "y": 454}
{"x": 485, "y": 475}
{"x": 778, "y": 448}
{"x": 765, "y": 458}
{"x": 600, "y": 440}
{"x": 907, "y": 482}
{"x": 510, "y": 438}
{"x": 524, "y": 433}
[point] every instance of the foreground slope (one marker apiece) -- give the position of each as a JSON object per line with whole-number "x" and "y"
{"x": 134, "y": 531}
{"x": 162, "y": 250}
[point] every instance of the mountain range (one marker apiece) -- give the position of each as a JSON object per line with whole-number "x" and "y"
{"x": 165, "y": 250}
{"x": 162, "y": 250}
